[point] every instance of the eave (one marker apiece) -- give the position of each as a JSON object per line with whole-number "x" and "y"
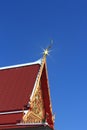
{"x": 21, "y": 65}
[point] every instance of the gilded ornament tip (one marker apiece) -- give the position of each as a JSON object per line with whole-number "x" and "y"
{"x": 47, "y": 50}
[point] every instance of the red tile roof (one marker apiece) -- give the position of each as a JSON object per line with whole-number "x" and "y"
{"x": 16, "y": 85}
{"x": 10, "y": 119}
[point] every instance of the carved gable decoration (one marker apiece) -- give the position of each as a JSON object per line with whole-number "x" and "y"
{"x": 36, "y": 113}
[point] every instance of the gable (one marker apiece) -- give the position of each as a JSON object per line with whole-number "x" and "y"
{"x": 40, "y": 105}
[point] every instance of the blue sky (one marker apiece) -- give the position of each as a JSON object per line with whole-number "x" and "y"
{"x": 27, "y": 26}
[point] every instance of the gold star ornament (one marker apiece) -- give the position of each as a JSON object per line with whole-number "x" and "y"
{"x": 47, "y": 50}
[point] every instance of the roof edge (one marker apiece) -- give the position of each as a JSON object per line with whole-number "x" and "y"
{"x": 42, "y": 123}
{"x": 19, "y": 125}
{"x": 13, "y": 112}
{"x": 21, "y": 65}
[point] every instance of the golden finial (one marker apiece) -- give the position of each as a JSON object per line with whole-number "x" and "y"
{"x": 47, "y": 50}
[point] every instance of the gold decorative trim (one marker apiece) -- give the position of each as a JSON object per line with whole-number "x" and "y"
{"x": 36, "y": 112}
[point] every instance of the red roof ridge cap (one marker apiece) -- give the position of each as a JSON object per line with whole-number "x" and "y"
{"x": 21, "y": 65}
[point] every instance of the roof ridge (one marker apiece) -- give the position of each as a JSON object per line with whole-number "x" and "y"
{"x": 21, "y": 65}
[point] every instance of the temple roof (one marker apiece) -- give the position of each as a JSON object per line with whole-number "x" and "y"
{"x": 17, "y": 84}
